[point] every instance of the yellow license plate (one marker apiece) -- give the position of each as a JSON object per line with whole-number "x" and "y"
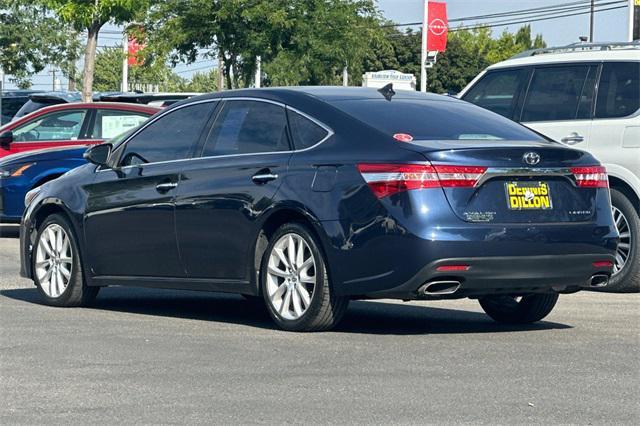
{"x": 528, "y": 196}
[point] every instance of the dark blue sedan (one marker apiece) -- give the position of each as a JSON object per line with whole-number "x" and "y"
{"x": 311, "y": 197}
{"x": 26, "y": 170}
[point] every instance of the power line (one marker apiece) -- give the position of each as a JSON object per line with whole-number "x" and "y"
{"x": 491, "y": 25}
{"x": 534, "y": 12}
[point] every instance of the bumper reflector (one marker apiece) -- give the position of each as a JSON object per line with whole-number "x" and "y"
{"x": 603, "y": 264}
{"x": 452, "y": 268}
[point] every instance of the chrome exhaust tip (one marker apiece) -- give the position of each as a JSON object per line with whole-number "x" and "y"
{"x": 599, "y": 280}
{"x": 439, "y": 288}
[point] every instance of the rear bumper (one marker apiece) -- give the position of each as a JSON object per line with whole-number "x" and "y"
{"x": 504, "y": 275}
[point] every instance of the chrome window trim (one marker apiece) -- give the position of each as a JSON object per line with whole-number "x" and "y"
{"x": 329, "y": 131}
{"x": 496, "y": 172}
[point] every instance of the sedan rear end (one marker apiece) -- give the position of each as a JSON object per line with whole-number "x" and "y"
{"x": 467, "y": 204}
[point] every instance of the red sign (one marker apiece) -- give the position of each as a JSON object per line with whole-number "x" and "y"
{"x": 133, "y": 49}
{"x": 438, "y": 27}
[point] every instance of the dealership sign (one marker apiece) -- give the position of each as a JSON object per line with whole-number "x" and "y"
{"x": 438, "y": 27}
{"x": 401, "y": 81}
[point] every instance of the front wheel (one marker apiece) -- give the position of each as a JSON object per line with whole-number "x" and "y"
{"x": 57, "y": 270}
{"x": 295, "y": 285}
{"x": 519, "y": 310}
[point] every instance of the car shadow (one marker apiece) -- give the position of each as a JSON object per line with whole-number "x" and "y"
{"x": 362, "y": 317}
{"x": 9, "y": 231}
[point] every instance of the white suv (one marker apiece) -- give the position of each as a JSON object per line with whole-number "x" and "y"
{"x": 587, "y": 96}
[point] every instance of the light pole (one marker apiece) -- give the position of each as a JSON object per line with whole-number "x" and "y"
{"x": 423, "y": 54}
{"x": 125, "y": 61}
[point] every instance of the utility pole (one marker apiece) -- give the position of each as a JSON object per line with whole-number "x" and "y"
{"x": 591, "y": 21}
{"x": 423, "y": 54}
{"x": 53, "y": 80}
{"x": 125, "y": 61}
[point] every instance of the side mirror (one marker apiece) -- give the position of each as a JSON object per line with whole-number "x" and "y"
{"x": 99, "y": 154}
{"x": 6, "y": 138}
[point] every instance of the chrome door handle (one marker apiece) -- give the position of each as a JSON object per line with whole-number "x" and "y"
{"x": 572, "y": 139}
{"x": 264, "y": 177}
{"x": 166, "y": 186}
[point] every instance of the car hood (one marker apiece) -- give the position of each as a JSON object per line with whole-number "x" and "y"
{"x": 43, "y": 154}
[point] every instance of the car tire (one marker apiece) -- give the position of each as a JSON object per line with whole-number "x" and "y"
{"x": 628, "y": 278}
{"x": 57, "y": 267}
{"x": 524, "y": 310}
{"x": 295, "y": 283}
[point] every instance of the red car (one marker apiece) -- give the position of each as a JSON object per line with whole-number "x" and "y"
{"x": 71, "y": 124}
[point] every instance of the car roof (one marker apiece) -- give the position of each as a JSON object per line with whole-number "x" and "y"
{"x": 570, "y": 54}
{"x": 327, "y": 94}
{"x": 96, "y": 105}
{"x": 19, "y": 93}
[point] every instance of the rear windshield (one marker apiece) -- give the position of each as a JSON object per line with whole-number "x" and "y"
{"x": 435, "y": 120}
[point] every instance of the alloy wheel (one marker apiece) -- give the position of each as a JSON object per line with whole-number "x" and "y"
{"x": 54, "y": 260}
{"x": 291, "y": 276}
{"x": 624, "y": 246}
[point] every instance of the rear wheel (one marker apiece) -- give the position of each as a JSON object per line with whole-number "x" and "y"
{"x": 519, "y": 310}
{"x": 57, "y": 270}
{"x": 626, "y": 269}
{"x": 295, "y": 285}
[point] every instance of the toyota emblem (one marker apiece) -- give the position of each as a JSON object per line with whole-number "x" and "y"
{"x": 531, "y": 158}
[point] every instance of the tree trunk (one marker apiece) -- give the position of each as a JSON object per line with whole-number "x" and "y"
{"x": 90, "y": 61}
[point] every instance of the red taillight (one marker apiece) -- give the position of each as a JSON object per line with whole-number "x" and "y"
{"x": 591, "y": 177}
{"x": 603, "y": 264}
{"x": 388, "y": 179}
{"x": 459, "y": 176}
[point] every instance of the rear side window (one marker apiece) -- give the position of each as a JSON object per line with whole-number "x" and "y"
{"x": 110, "y": 123}
{"x": 245, "y": 127}
{"x": 171, "y": 137}
{"x": 55, "y": 126}
{"x": 435, "y": 120}
{"x": 498, "y": 91}
{"x": 619, "y": 90}
{"x": 305, "y": 132}
{"x": 554, "y": 93}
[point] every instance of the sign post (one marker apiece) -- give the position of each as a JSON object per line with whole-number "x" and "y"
{"x": 423, "y": 54}
{"x": 435, "y": 29}
{"x": 634, "y": 20}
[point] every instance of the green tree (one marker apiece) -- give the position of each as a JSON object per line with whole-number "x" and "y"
{"x": 203, "y": 82}
{"x": 91, "y": 16}
{"x": 468, "y": 52}
{"x": 30, "y": 38}
{"x": 299, "y": 41}
{"x": 108, "y": 72}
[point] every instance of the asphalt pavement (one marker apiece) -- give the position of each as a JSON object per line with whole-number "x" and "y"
{"x": 160, "y": 357}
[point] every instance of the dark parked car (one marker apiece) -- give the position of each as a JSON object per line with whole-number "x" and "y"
{"x": 44, "y": 99}
{"x": 310, "y": 197}
{"x": 12, "y": 101}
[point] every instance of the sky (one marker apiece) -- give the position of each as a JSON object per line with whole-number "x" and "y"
{"x": 608, "y": 26}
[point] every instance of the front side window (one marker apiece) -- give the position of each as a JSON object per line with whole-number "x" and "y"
{"x": 554, "y": 93}
{"x": 247, "y": 127}
{"x": 110, "y": 123}
{"x": 171, "y": 137}
{"x": 498, "y": 91}
{"x": 55, "y": 126}
{"x": 619, "y": 90}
